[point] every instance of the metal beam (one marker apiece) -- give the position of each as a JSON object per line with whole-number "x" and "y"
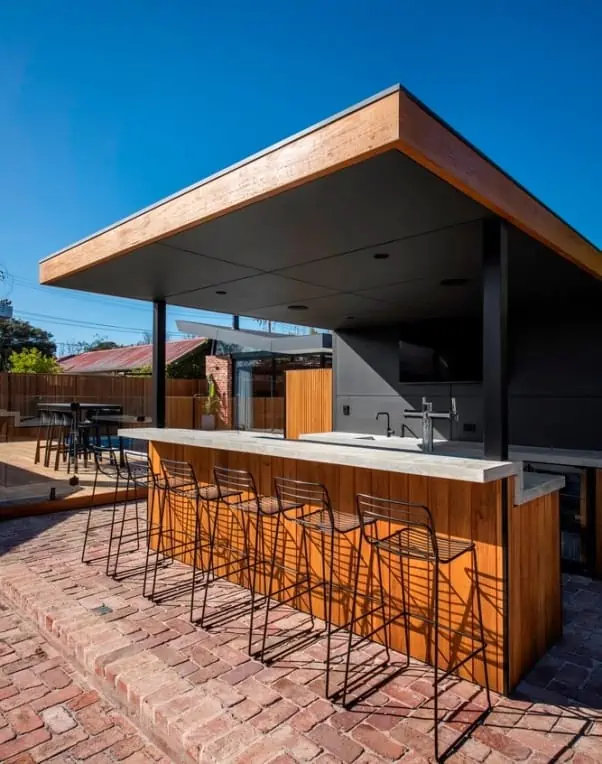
{"x": 495, "y": 339}
{"x": 159, "y": 388}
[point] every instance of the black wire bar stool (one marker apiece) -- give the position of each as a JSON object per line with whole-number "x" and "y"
{"x": 178, "y": 529}
{"x": 109, "y": 463}
{"x": 321, "y": 518}
{"x": 136, "y": 470}
{"x": 237, "y": 494}
{"x": 410, "y": 536}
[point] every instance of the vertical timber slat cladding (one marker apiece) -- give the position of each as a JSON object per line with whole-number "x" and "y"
{"x": 308, "y": 401}
{"x": 462, "y": 510}
{"x": 534, "y": 582}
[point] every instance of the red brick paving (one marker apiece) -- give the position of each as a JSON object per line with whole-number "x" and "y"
{"x": 200, "y": 697}
{"x": 64, "y": 715}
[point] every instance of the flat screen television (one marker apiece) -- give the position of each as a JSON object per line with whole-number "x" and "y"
{"x": 448, "y": 351}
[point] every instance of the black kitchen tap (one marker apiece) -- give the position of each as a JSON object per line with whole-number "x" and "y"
{"x": 386, "y": 413}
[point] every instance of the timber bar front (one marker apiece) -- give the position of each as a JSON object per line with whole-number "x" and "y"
{"x": 465, "y": 498}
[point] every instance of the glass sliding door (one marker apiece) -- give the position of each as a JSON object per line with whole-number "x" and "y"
{"x": 259, "y": 387}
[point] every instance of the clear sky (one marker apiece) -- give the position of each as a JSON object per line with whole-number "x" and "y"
{"x": 105, "y": 107}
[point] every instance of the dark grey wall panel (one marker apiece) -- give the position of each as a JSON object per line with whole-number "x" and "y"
{"x": 555, "y": 387}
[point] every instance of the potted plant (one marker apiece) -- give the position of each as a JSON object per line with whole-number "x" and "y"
{"x": 212, "y": 406}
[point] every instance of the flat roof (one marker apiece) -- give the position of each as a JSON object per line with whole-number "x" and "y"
{"x": 291, "y": 224}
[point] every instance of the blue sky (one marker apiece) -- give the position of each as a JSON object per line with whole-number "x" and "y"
{"x": 106, "y": 107}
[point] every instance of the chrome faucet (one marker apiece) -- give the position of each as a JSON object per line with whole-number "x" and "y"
{"x": 386, "y": 413}
{"x": 427, "y": 415}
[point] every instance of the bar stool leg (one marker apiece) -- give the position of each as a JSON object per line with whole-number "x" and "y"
{"x": 382, "y": 604}
{"x": 122, "y": 526}
{"x": 113, "y": 518}
{"x": 436, "y": 657}
{"x": 477, "y": 592}
{"x": 195, "y": 552}
{"x": 270, "y": 587}
{"x": 49, "y": 439}
{"x": 212, "y": 532}
{"x": 308, "y": 576}
{"x": 87, "y": 531}
{"x": 162, "y": 509}
{"x": 258, "y": 522}
{"x": 356, "y": 579}
{"x": 327, "y": 588}
{"x": 405, "y": 609}
{"x": 150, "y": 534}
{"x": 36, "y": 458}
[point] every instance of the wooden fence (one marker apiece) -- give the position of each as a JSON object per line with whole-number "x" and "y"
{"x": 185, "y": 398}
{"x": 23, "y": 392}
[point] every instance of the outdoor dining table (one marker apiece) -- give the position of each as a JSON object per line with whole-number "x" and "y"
{"x": 75, "y": 408}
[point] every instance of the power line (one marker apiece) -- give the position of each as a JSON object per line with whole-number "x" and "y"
{"x": 124, "y": 302}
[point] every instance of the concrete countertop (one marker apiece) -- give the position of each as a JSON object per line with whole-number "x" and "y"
{"x": 467, "y": 449}
{"x": 527, "y": 486}
{"x": 450, "y": 467}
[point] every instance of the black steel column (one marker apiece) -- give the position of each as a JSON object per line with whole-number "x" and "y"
{"x": 158, "y": 402}
{"x": 495, "y": 389}
{"x": 495, "y": 339}
{"x": 236, "y": 322}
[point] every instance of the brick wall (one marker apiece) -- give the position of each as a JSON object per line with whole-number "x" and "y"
{"x": 220, "y": 368}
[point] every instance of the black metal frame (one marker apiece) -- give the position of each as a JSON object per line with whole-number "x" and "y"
{"x": 159, "y": 384}
{"x": 110, "y": 463}
{"x": 495, "y": 339}
{"x": 321, "y": 517}
{"x": 415, "y": 538}
{"x": 236, "y": 491}
{"x": 495, "y": 384}
{"x": 177, "y": 481}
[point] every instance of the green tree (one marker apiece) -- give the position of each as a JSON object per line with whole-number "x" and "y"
{"x": 17, "y": 335}
{"x": 32, "y": 361}
{"x": 192, "y": 366}
{"x": 98, "y": 343}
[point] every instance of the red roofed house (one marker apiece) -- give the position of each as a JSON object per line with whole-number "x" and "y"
{"x": 129, "y": 359}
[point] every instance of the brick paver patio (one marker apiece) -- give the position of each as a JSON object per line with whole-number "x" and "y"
{"x": 199, "y": 697}
{"x": 49, "y": 713}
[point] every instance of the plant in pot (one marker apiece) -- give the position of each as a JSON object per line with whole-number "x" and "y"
{"x": 212, "y": 406}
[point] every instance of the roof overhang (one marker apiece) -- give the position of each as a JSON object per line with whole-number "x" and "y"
{"x": 271, "y": 231}
{"x": 270, "y": 342}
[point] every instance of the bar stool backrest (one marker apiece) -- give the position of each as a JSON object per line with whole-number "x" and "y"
{"x": 138, "y": 467}
{"x": 291, "y": 492}
{"x": 234, "y": 483}
{"x": 106, "y": 460}
{"x": 415, "y": 532}
{"x": 180, "y": 477}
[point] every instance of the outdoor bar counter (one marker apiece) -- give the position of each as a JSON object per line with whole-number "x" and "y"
{"x": 485, "y": 501}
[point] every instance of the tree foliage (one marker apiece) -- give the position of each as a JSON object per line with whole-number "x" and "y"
{"x": 191, "y": 366}
{"x": 32, "y": 361}
{"x": 17, "y": 335}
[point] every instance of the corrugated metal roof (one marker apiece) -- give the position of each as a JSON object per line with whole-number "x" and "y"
{"x": 126, "y": 359}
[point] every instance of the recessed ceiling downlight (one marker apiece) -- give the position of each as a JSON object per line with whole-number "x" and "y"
{"x": 381, "y": 256}
{"x": 220, "y": 291}
{"x": 297, "y": 307}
